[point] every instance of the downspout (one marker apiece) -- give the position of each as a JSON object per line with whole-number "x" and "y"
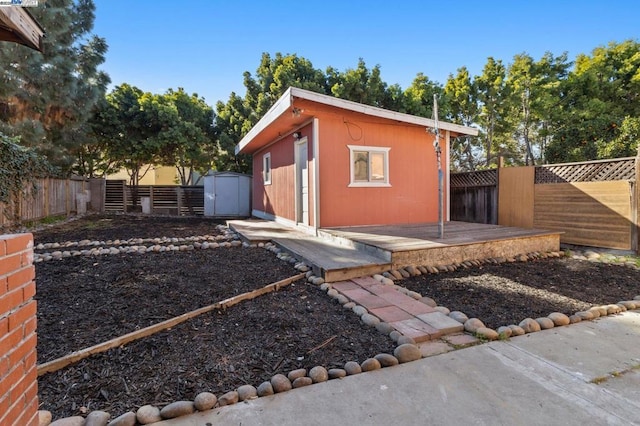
{"x": 316, "y": 174}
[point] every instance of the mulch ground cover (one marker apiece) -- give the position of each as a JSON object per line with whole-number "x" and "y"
{"x": 86, "y": 300}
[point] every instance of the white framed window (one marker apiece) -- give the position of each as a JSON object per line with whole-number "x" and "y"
{"x": 266, "y": 168}
{"x": 369, "y": 165}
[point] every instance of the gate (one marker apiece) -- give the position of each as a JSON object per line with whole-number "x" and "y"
{"x": 227, "y": 194}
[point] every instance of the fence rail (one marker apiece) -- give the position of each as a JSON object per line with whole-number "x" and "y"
{"x": 163, "y": 199}
{"x": 48, "y": 197}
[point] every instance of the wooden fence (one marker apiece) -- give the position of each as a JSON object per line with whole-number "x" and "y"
{"x": 594, "y": 203}
{"x": 474, "y": 196}
{"x": 162, "y": 199}
{"x": 49, "y": 197}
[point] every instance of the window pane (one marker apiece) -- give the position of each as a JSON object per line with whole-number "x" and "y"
{"x": 360, "y": 166}
{"x": 377, "y": 167}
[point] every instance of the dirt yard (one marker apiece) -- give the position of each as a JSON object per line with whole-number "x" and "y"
{"x": 86, "y": 300}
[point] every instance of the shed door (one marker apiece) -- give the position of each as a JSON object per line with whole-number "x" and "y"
{"x": 227, "y": 201}
{"x": 302, "y": 183}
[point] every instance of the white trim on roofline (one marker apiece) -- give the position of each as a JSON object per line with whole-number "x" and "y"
{"x": 286, "y": 102}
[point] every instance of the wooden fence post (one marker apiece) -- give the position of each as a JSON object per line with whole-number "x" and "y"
{"x": 124, "y": 196}
{"x": 179, "y": 194}
{"x": 635, "y": 211}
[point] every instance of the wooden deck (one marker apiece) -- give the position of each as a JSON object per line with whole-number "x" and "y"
{"x": 344, "y": 253}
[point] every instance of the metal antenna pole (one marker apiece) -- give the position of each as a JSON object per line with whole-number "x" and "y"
{"x": 436, "y": 146}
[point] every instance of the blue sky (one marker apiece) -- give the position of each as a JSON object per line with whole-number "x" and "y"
{"x": 205, "y": 46}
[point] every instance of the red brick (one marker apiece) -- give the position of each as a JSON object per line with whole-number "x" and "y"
{"x": 3, "y": 248}
{"x": 6, "y": 383}
{"x": 21, "y": 277}
{"x": 19, "y": 390}
{"x": 4, "y": 406}
{"x": 10, "y": 301}
{"x": 15, "y": 411}
{"x": 415, "y": 308}
{"x": 4, "y": 326}
{"x": 345, "y": 285}
{"x": 18, "y": 242}
{"x": 31, "y": 358}
{"x": 416, "y": 329}
{"x": 11, "y": 340}
{"x": 4, "y": 365}
{"x": 32, "y": 391}
{"x": 9, "y": 264}
{"x": 365, "y": 281}
{"x": 30, "y": 325}
{"x": 26, "y": 258}
{"x": 378, "y": 289}
{"x": 3, "y": 286}
{"x": 29, "y": 416}
{"x": 390, "y": 314}
{"x": 29, "y": 290}
{"x": 22, "y": 315}
{"x": 22, "y": 350}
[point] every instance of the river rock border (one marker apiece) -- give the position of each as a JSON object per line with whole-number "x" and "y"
{"x": 406, "y": 351}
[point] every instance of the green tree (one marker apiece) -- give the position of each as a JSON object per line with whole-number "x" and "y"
{"x": 462, "y": 99}
{"x": 418, "y": 98}
{"x": 187, "y": 142}
{"x": 48, "y": 98}
{"x": 494, "y": 98}
{"x": 360, "y": 85}
{"x": 597, "y": 96}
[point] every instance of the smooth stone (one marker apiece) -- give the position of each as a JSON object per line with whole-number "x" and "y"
{"x": 370, "y": 320}
{"x": 378, "y": 277}
{"x": 595, "y": 312}
{"x": 349, "y": 305}
{"x": 423, "y": 270}
{"x": 342, "y": 299}
{"x": 487, "y": 333}
{"x": 387, "y": 281}
{"x": 529, "y": 325}
{"x": 407, "y": 352}
{"x": 622, "y": 308}
{"x": 415, "y": 295}
{"x": 386, "y": 360}
{"x": 396, "y": 274}
{"x": 359, "y": 310}
{"x": 265, "y": 389}
{"x": 337, "y": 373}
{"x": 318, "y": 374}
{"x": 545, "y": 323}
{"x": 127, "y": 419}
{"x": 504, "y": 332}
{"x": 370, "y": 364}
{"x": 44, "y": 417}
{"x": 559, "y": 319}
{"x": 443, "y": 310}
{"x": 516, "y": 330}
{"x": 384, "y": 328}
{"x": 333, "y": 293}
{"x": 205, "y": 401}
{"x": 301, "y": 382}
{"x": 352, "y": 367}
{"x": 613, "y": 309}
{"x": 97, "y": 418}
{"x": 405, "y": 339}
{"x": 395, "y": 335}
{"x": 575, "y": 319}
{"x": 228, "y": 398}
{"x": 428, "y": 301}
{"x": 325, "y": 287}
{"x": 148, "y": 414}
{"x": 629, "y": 304}
{"x": 69, "y": 421}
{"x": 586, "y": 315}
{"x": 458, "y": 316}
{"x": 246, "y": 392}
{"x": 294, "y": 374}
{"x": 317, "y": 281}
{"x": 412, "y": 270}
{"x": 280, "y": 383}
{"x": 472, "y": 325}
{"x": 177, "y": 409}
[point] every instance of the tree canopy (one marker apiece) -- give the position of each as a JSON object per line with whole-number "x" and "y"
{"x": 47, "y": 98}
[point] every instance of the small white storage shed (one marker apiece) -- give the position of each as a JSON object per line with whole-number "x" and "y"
{"x": 227, "y": 194}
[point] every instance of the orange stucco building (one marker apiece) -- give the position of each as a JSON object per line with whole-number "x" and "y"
{"x": 320, "y": 161}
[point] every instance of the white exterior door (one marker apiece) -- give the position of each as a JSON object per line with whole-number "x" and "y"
{"x": 302, "y": 182}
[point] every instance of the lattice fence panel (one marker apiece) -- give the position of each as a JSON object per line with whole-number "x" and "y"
{"x": 472, "y": 179}
{"x": 594, "y": 171}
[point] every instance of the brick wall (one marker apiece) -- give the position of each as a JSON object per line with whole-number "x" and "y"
{"x": 18, "y": 373}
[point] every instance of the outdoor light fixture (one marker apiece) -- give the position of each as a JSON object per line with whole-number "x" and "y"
{"x": 297, "y": 135}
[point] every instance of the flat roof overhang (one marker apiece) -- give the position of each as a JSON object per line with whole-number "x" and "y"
{"x": 17, "y": 25}
{"x": 297, "y": 106}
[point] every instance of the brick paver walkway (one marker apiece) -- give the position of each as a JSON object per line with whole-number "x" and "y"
{"x": 408, "y": 316}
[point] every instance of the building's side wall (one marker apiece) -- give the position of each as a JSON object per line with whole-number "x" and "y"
{"x": 18, "y": 373}
{"x": 279, "y": 198}
{"x": 413, "y": 174}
